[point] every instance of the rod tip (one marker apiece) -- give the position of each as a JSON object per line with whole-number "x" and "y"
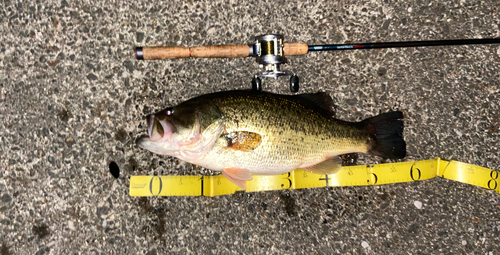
{"x": 138, "y": 53}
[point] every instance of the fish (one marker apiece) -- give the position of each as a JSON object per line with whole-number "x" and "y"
{"x": 245, "y": 132}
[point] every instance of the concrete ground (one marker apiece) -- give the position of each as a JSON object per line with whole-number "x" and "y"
{"x": 73, "y": 98}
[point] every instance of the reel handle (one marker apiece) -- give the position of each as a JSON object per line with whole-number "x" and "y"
{"x": 214, "y": 51}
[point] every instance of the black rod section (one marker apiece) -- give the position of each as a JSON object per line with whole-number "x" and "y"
{"x": 401, "y": 44}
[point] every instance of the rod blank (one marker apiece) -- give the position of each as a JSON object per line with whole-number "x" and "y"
{"x": 400, "y": 44}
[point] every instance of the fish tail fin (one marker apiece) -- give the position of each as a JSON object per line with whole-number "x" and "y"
{"x": 386, "y": 135}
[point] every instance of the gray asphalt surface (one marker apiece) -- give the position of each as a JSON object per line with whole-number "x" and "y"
{"x": 72, "y": 96}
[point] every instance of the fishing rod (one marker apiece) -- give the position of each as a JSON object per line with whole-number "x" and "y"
{"x": 270, "y": 51}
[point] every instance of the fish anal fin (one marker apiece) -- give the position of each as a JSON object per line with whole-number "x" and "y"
{"x": 329, "y": 166}
{"x": 238, "y": 176}
{"x": 243, "y": 140}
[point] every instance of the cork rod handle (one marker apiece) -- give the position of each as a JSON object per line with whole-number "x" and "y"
{"x": 214, "y": 51}
{"x": 296, "y": 49}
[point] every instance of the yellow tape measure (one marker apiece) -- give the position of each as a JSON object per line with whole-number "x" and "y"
{"x": 144, "y": 186}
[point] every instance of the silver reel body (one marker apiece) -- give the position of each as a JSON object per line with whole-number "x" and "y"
{"x": 269, "y": 51}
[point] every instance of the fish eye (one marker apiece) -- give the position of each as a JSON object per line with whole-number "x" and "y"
{"x": 169, "y": 111}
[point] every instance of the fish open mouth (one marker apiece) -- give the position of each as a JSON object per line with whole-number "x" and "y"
{"x": 159, "y": 135}
{"x": 155, "y": 129}
{"x": 159, "y": 130}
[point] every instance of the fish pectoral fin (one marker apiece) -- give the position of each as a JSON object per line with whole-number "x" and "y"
{"x": 329, "y": 166}
{"x": 243, "y": 140}
{"x": 238, "y": 176}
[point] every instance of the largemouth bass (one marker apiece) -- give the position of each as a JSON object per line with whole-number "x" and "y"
{"x": 241, "y": 133}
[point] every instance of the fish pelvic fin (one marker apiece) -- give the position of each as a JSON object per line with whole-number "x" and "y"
{"x": 238, "y": 176}
{"x": 329, "y": 166}
{"x": 386, "y": 135}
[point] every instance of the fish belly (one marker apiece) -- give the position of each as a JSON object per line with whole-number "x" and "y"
{"x": 277, "y": 155}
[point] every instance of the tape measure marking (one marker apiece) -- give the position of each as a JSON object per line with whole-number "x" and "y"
{"x": 300, "y": 179}
{"x": 472, "y": 174}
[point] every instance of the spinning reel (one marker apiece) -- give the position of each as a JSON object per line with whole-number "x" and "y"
{"x": 270, "y": 51}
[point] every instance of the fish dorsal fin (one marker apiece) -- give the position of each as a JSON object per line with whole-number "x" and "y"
{"x": 243, "y": 140}
{"x": 321, "y": 100}
{"x": 329, "y": 166}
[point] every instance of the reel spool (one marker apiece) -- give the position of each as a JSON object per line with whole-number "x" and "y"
{"x": 269, "y": 51}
